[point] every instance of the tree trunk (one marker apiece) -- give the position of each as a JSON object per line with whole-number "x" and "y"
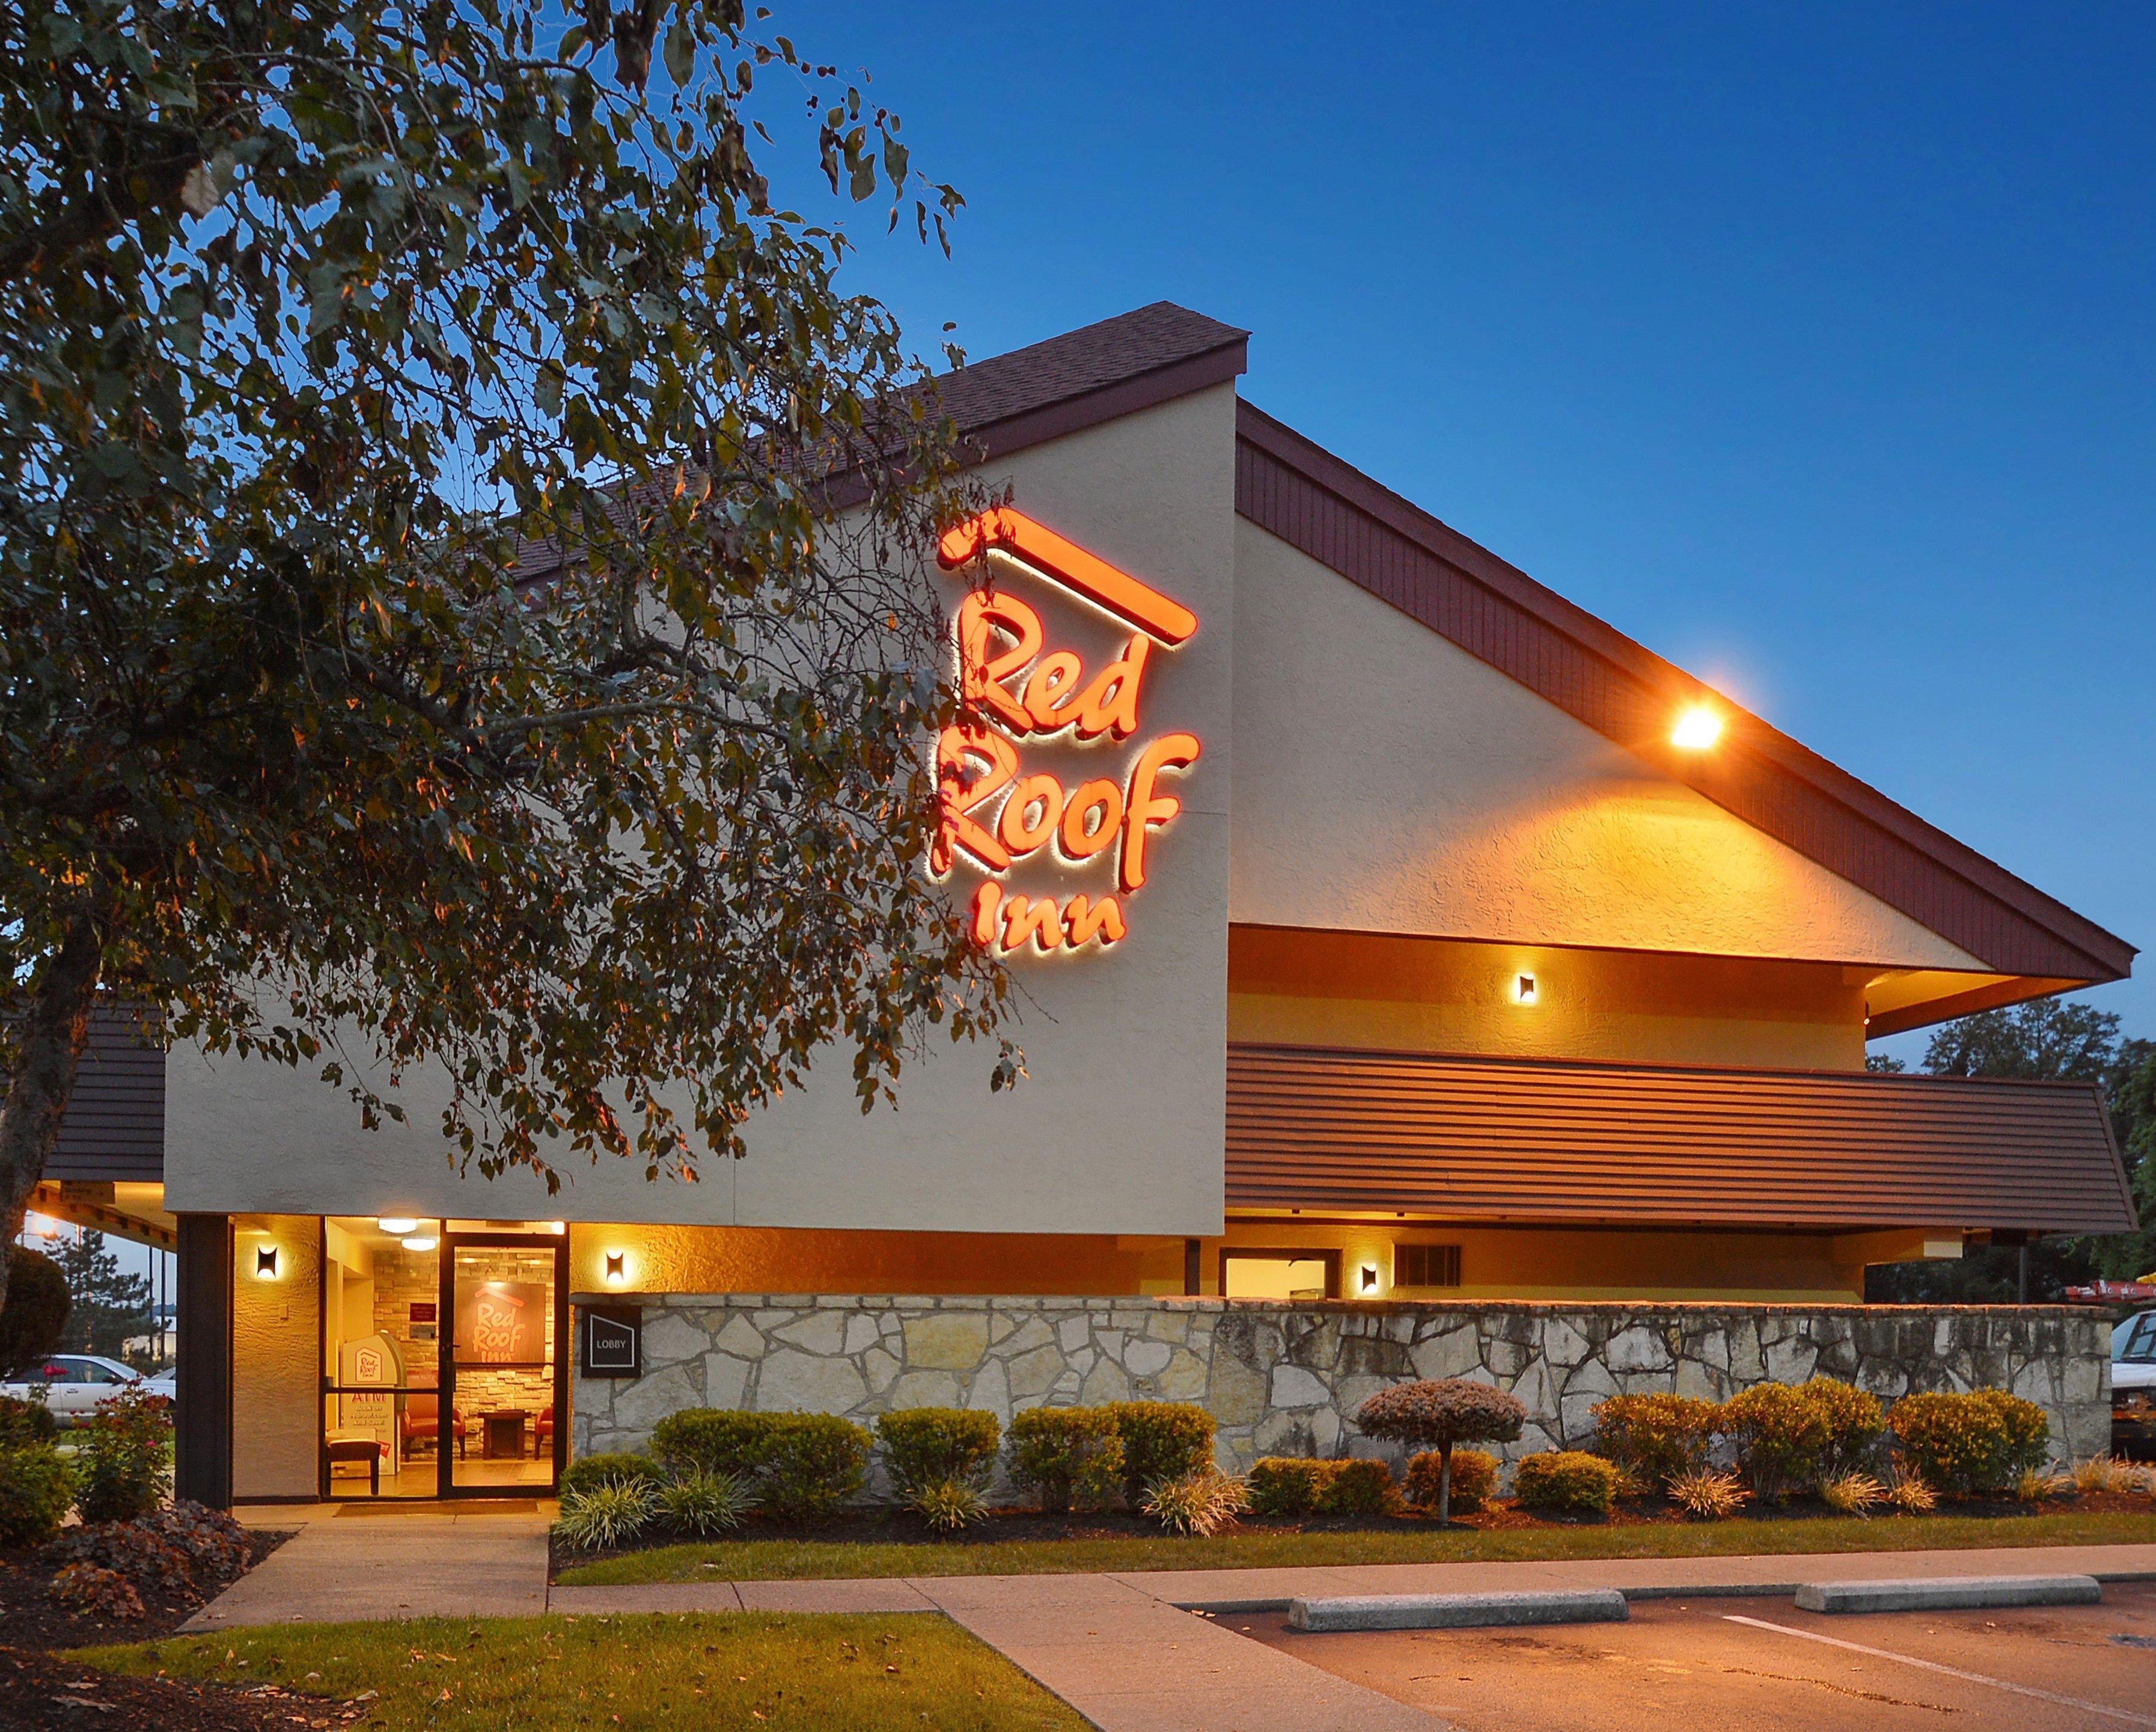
{"x": 48, "y": 1053}
{"x": 1444, "y": 1483}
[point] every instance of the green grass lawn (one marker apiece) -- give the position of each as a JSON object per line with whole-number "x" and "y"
{"x": 772, "y": 1560}
{"x": 624, "y": 1674}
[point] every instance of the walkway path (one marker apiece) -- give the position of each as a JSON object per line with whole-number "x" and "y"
{"x": 1124, "y": 1650}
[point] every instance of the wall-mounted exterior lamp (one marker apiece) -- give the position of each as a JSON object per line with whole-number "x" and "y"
{"x": 1369, "y": 1276}
{"x": 1698, "y": 727}
{"x": 1523, "y": 989}
{"x": 265, "y": 1262}
{"x": 617, "y": 1263}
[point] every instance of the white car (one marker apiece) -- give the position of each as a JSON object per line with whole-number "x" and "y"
{"x": 73, "y": 1384}
{"x": 2134, "y": 1386}
{"x": 165, "y": 1383}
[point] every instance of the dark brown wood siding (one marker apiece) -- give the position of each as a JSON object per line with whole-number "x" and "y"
{"x": 114, "y": 1127}
{"x": 1526, "y": 1140}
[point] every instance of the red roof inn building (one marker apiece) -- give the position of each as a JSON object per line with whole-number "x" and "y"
{"x": 1421, "y": 977}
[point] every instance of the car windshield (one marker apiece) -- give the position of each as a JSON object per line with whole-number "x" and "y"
{"x": 2135, "y": 1339}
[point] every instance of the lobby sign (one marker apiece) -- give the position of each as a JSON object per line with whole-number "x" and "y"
{"x": 613, "y": 1341}
{"x": 1025, "y": 691}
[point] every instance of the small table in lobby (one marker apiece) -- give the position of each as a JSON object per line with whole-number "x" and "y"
{"x": 505, "y": 1432}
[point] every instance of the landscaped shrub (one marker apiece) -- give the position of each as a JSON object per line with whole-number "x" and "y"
{"x": 613, "y": 1512}
{"x": 1980, "y": 1441}
{"x": 1852, "y": 1493}
{"x": 706, "y": 1505}
{"x": 949, "y": 1505}
{"x": 2040, "y": 1485}
{"x": 1912, "y": 1495}
{"x": 137, "y": 1549}
{"x": 36, "y": 1309}
{"x": 925, "y": 1447}
{"x": 121, "y": 1456}
{"x": 1161, "y": 1440}
{"x": 1357, "y": 1487}
{"x": 713, "y": 1440}
{"x": 1287, "y": 1485}
{"x": 25, "y": 1421}
{"x": 1854, "y": 1424}
{"x": 1440, "y": 1414}
{"x": 1566, "y": 1479}
{"x": 2104, "y": 1473}
{"x": 1199, "y": 1502}
{"x": 1781, "y": 1435}
{"x": 816, "y": 1462}
{"x": 1709, "y": 1494}
{"x": 36, "y": 1490}
{"x": 1656, "y": 1438}
{"x": 1474, "y": 1478}
{"x": 90, "y": 1590}
{"x": 215, "y": 1544}
{"x": 1068, "y": 1454}
{"x": 613, "y": 1467}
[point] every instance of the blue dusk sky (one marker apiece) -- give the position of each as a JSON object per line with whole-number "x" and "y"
{"x": 1811, "y": 346}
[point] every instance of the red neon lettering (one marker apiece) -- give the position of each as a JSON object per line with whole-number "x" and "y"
{"x": 1110, "y": 703}
{"x": 981, "y": 674}
{"x": 987, "y": 900}
{"x": 1020, "y": 830}
{"x": 958, "y": 796}
{"x": 1103, "y": 802}
{"x": 1143, "y": 809}
{"x": 1085, "y": 919}
{"x": 1070, "y": 565}
{"x": 1030, "y": 918}
{"x": 1052, "y": 679}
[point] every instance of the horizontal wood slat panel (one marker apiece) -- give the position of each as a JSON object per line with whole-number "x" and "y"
{"x": 1481, "y": 1139}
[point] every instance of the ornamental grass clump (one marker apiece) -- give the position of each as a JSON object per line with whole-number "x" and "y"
{"x": 703, "y": 1505}
{"x": 2106, "y": 1473}
{"x": 1438, "y": 1414}
{"x": 1852, "y": 1493}
{"x": 1912, "y": 1495}
{"x": 2040, "y": 1485}
{"x": 1199, "y": 1503}
{"x": 1709, "y": 1494}
{"x": 1071, "y": 1455}
{"x": 611, "y": 1513}
{"x": 1656, "y": 1438}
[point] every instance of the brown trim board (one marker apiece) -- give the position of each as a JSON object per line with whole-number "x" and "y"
{"x": 1294, "y": 490}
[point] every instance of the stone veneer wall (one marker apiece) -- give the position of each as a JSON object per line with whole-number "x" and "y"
{"x": 1284, "y": 1377}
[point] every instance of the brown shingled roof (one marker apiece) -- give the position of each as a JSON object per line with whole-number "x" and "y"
{"x": 1497, "y": 1140}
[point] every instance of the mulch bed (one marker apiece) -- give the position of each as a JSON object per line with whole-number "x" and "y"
{"x": 904, "y": 1527}
{"x": 39, "y": 1692}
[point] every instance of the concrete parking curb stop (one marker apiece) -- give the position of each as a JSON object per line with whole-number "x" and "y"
{"x": 1457, "y": 1612}
{"x": 1949, "y": 1593}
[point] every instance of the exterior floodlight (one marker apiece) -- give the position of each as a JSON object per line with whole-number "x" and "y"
{"x": 1698, "y": 727}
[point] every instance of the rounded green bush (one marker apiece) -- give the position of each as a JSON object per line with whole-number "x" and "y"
{"x": 925, "y": 1447}
{"x": 1357, "y": 1487}
{"x": 816, "y": 1463}
{"x": 713, "y": 1440}
{"x": 36, "y": 1490}
{"x": 1162, "y": 1441}
{"x": 1656, "y": 1438}
{"x": 1287, "y": 1485}
{"x": 1069, "y": 1453}
{"x": 1959, "y": 1444}
{"x": 1566, "y": 1479}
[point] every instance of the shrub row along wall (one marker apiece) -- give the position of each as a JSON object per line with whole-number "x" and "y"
{"x": 1285, "y": 1378}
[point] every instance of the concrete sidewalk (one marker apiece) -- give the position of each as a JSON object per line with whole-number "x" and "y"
{"x": 423, "y": 1563}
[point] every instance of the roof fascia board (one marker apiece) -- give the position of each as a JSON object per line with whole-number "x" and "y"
{"x": 1627, "y": 692}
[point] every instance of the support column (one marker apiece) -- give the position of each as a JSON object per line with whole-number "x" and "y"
{"x": 1193, "y": 1280}
{"x": 203, "y": 1345}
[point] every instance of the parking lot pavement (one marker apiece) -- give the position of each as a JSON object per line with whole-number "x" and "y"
{"x": 1759, "y": 1665}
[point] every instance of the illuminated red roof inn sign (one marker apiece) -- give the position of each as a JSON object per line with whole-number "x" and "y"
{"x": 1027, "y": 693}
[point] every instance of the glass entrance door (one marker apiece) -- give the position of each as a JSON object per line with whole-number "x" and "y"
{"x": 505, "y": 1382}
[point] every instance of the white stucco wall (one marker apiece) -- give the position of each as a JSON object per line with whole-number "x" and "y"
{"x": 1119, "y": 1126}
{"x": 1387, "y": 781}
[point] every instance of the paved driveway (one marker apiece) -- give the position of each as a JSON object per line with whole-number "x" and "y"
{"x": 1758, "y": 1665}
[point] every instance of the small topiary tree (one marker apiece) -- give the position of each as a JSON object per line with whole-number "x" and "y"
{"x": 1439, "y": 1414}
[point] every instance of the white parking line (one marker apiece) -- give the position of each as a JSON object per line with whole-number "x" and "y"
{"x": 1974, "y": 1678}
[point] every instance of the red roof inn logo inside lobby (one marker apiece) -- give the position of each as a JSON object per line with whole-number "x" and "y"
{"x": 1027, "y": 693}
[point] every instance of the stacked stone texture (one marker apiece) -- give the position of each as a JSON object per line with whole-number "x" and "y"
{"x": 1285, "y": 1378}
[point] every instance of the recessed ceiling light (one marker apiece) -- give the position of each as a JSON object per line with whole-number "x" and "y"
{"x": 398, "y": 1225}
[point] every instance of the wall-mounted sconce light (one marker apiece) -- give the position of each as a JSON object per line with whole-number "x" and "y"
{"x": 1369, "y": 1276}
{"x": 616, "y": 1262}
{"x": 265, "y": 1262}
{"x": 398, "y": 1225}
{"x": 1523, "y": 989}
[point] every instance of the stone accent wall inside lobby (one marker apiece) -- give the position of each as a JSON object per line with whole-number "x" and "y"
{"x": 1285, "y": 1378}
